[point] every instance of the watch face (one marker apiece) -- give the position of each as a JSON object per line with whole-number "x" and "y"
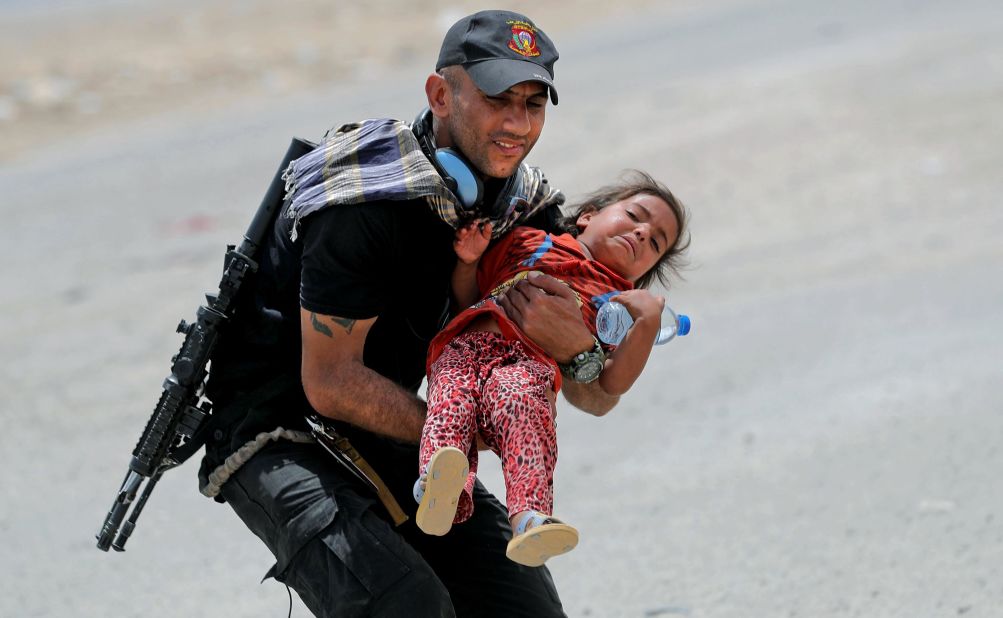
{"x": 589, "y": 370}
{"x": 586, "y": 366}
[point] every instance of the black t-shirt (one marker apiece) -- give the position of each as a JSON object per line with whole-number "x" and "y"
{"x": 389, "y": 260}
{"x": 393, "y": 264}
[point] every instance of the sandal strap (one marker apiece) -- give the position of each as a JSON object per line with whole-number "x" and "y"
{"x": 535, "y": 518}
{"x": 418, "y": 491}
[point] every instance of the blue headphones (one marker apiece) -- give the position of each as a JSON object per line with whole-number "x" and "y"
{"x": 458, "y": 173}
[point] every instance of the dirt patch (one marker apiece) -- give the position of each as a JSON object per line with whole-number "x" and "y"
{"x": 66, "y": 75}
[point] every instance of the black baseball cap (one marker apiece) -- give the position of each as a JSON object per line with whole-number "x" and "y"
{"x": 500, "y": 49}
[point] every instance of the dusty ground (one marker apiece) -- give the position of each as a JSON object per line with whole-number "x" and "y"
{"x": 76, "y": 72}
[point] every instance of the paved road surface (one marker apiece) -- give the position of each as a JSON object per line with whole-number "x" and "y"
{"x": 828, "y": 440}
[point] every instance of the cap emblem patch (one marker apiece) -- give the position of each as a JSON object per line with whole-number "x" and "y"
{"x": 523, "y": 39}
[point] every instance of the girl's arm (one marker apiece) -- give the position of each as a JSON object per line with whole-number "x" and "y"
{"x": 470, "y": 243}
{"x": 624, "y": 365}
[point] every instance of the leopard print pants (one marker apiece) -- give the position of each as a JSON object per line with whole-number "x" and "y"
{"x": 485, "y": 384}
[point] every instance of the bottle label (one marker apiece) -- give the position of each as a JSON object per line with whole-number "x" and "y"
{"x": 612, "y": 323}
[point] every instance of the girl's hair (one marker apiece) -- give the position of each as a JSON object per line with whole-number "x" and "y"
{"x": 636, "y": 182}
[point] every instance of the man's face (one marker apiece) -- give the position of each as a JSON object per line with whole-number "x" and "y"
{"x": 496, "y": 132}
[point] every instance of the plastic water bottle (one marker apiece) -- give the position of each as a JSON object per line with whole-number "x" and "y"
{"x": 613, "y": 321}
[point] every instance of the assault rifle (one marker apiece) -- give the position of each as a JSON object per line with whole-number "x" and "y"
{"x": 175, "y": 431}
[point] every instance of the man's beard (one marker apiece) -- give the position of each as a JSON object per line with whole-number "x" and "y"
{"x": 476, "y": 151}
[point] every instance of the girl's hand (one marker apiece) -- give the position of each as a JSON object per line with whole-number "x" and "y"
{"x": 471, "y": 241}
{"x": 642, "y": 304}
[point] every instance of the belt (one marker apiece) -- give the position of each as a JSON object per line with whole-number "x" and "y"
{"x": 346, "y": 455}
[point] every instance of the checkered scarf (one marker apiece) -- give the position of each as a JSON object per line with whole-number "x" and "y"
{"x": 381, "y": 159}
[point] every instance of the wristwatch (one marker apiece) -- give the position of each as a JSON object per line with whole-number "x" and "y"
{"x": 585, "y": 366}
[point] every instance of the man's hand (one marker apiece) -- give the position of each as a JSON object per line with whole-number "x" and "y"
{"x": 547, "y": 310}
{"x": 471, "y": 241}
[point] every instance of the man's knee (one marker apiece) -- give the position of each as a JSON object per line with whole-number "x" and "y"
{"x": 360, "y": 566}
{"x": 418, "y": 594}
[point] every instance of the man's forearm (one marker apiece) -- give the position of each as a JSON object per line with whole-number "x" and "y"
{"x": 359, "y": 396}
{"x": 589, "y": 397}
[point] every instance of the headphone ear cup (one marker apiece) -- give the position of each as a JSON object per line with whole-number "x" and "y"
{"x": 460, "y": 177}
{"x": 458, "y": 174}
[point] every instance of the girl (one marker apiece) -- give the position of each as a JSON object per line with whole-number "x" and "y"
{"x": 487, "y": 379}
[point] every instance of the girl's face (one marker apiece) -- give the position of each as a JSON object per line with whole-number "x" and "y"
{"x": 629, "y": 236}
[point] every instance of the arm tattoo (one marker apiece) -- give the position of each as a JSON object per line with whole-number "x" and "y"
{"x": 323, "y": 329}
{"x": 345, "y": 323}
{"x": 320, "y": 328}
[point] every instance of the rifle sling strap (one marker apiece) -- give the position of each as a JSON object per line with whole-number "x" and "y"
{"x": 340, "y": 448}
{"x": 335, "y": 444}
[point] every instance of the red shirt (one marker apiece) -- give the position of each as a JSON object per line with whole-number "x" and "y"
{"x": 524, "y": 250}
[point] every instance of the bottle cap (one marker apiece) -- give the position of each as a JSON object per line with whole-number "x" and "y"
{"x": 684, "y": 324}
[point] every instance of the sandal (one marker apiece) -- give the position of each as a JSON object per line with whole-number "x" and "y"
{"x": 444, "y": 480}
{"x": 547, "y": 537}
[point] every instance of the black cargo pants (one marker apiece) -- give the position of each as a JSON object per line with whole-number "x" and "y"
{"x": 336, "y": 547}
